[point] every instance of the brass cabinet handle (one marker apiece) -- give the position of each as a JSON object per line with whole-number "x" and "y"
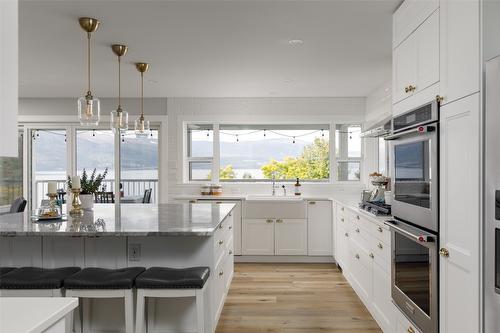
{"x": 342, "y": 219}
{"x": 312, "y": 202}
{"x": 407, "y": 89}
{"x": 221, "y": 226}
{"x": 230, "y": 252}
{"x": 230, "y": 214}
{"x": 411, "y": 88}
{"x": 346, "y": 234}
{"x": 230, "y": 227}
{"x": 357, "y": 230}
{"x": 279, "y": 221}
{"x": 356, "y": 256}
{"x": 439, "y": 98}
{"x": 221, "y": 242}
{"x": 380, "y": 246}
{"x": 218, "y": 202}
{"x": 444, "y": 252}
{"x": 410, "y": 330}
{"x": 269, "y": 221}
{"x": 221, "y": 273}
{"x": 342, "y": 208}
{"x": 357, "y": 217}
{"x": 192, "y": 201}
{"x": 380, "y": 229}
{"x": 371, "y": 255}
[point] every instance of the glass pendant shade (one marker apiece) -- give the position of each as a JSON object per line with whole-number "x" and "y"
{"x": 141, "y": 127}
{"x": 89, "y": 110}
{"x": 119, "y": 120}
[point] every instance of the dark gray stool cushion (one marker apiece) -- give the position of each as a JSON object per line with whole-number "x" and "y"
{"x": 102, "y": 278}
{"x": 36, "y": 278}
{"x": 5, "y": 270}
{"x": 173, "y": 278}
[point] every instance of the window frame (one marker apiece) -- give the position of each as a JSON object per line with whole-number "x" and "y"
{"x": 215, "y": 159}
{"x": 350, "y": 159}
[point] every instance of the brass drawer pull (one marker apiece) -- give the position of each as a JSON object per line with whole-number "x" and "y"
{"x": 372, "y": 256}
{"x": 221, "y": 273}
{"x": 312, "y": 202}
{"x": 444, "y": 252}
{"x": 342, "y": 220}
{"x": 192, "y": 201}
{"x": 357, "y": 217}
{"x": 269, "y": 221}
{"x": 380, "y": 229}
{"x": 380, "y": 246}
{"x": 230, "y": 227}
{"x": 346, "y": 234}
{"x": 221, "y": 226}
{"x": 221, "y": 242}
{"x": 342, "y": 208}
{"x": 218, "y": 202}
{"x": 357, "y": 230}
{"x": 230, "y": 252}
{"x": 410, "y": 330}
{"x": 356, "y": 256}
{"x": 279, "y": 221}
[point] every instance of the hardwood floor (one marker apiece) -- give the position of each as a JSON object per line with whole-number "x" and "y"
{"x": 292, "y": 298}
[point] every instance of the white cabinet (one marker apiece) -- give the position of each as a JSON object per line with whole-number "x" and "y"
{"x": 290, "y": 237}
{"x": 258, "y": 237}
{"x": 416, "y": 60}
{"x": 460, "y": 50}
{"x": 403, "y": 325}
{"x": 361, "y": 270}
{"x": 381, "y": 297}
{"x": 460, "y": 215}
{"x": 8, "y": 77}
{"x": 319, "y": 228}
{"x": 409, "y": 16}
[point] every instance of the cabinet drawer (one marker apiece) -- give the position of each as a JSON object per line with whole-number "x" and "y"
{"x": 403, "y": 325}
{"x": 382, "y": 253}
{"x": 361, "y": 270}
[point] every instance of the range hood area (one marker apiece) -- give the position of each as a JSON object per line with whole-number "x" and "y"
{"x": 379, "y": 129}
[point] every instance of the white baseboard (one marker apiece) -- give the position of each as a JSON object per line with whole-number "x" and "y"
{"x": 285, "y": 259}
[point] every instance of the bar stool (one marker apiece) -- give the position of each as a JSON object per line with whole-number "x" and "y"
{"x": 103, "y": 283}
{"x": 34, "y": 281}
{"x": 162, "y": 282}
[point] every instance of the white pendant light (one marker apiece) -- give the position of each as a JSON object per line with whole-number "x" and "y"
{"x": 119, "y": 117}
{"x": 141, "y": 124}
{"x": 89, "y": 108}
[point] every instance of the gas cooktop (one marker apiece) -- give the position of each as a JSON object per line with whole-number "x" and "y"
{"x": 376, "y": 208}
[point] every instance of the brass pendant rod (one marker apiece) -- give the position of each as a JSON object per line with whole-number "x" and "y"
{"x": 88, "y": 63}
{"x": 119, "y": 84}
{"x": 142, "y": 95}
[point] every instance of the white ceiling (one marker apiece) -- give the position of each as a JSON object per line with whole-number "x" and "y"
{"x": 208, "y": 48}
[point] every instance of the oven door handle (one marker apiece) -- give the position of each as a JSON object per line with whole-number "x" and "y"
{"x": 422, "y": 237}
{"x": 419, "y": 129}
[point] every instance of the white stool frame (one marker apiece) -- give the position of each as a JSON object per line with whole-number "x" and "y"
{"x": 82, "y": 313}
{"x": 142, "y": 294}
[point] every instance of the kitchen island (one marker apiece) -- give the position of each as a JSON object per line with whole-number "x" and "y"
{"x": 115, "y": 236}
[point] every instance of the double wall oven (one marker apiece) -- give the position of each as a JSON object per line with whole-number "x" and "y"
{"x": 415, "y": 207}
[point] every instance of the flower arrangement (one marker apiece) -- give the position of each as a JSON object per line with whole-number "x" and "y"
{"x": 90, "y": 185}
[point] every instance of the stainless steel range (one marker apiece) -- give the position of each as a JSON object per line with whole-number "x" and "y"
{"x": 415, "y": 207}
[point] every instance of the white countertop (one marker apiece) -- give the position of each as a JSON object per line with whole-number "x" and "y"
{"x": 33, "y": 314}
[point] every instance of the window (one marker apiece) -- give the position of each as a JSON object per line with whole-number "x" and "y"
{"x": 200, "y": 150}
{"x": 383, "y": 160}
{"x": 139, "y": 165}
{"x": 95, "y": 149}
{"x": 49, "y": 162}
{"x": 348, "y": 152}
{"x": 11, "y": 176}
{"x": 252, "y": 153}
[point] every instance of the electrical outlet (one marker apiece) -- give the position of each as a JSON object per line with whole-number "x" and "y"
{"x": 134, "y": 252}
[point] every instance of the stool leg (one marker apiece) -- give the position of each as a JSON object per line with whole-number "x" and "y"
{"x": 140, "y": 319}
{"x": 129, "y": 311}
{"x": 200, "y": 310}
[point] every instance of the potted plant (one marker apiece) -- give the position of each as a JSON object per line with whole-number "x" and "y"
{"x": 89, "y": 186}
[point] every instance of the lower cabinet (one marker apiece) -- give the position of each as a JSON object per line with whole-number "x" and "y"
{"x": 363, "y": 253}
{"x": 257, "y": 237}
{"x": 290, "y": 237}
{"x": 274, "y": 237}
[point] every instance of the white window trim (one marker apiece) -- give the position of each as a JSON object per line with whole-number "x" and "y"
{"x": 71, "y": 125}
{"x": 184, "y": 172}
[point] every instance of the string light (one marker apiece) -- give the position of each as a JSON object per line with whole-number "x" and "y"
{"x": 208, "y": 133}
{"x": 322, "y": 134}
{"x": 151, "y": 132}
{"x": 264, "y": 133}
{"x": 237, "y": 138}
{"x": 93, "y": 132}
{"x": 293, "y": 139}
{"x": 123, "y": 138}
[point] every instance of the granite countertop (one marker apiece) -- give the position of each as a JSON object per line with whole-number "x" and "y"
{"x": 197, "y": 219}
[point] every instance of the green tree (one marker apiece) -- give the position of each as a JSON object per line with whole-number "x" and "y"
{"x": 226, "y": 172}
{"x": 313, "y": 163}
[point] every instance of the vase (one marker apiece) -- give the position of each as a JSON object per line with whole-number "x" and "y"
{"x": 87, "y": 201}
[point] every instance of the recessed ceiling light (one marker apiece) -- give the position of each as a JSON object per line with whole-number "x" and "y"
{"x": 295, "y": 42}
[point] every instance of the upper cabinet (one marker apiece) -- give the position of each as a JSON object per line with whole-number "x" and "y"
{"x": 409, "y": 17}
{"x": 8, "y": 77}
{"x": 416, "y": 60}
{"x": 459, "y": 49}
